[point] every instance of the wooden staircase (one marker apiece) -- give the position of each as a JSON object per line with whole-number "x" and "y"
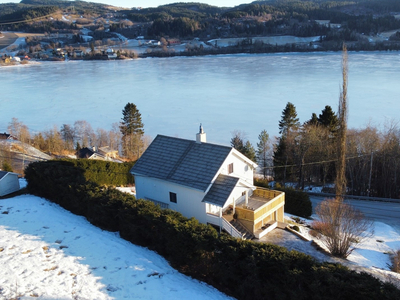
{"x": 247, "y": 235}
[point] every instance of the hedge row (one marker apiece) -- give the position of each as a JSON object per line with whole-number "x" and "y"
{"x": 97, "y": 171}
{"x": 296, "y": 202}
{"x": 242, "y": 269}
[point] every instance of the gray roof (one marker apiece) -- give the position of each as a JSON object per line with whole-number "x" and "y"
{"x": 220, "y": 190}
{"x": 182, "y": 161}
{"x": 2, "y": 174}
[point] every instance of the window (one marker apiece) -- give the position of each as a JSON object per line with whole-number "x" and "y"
{"x": 230, "y": 168}
{"x": 172, "y": 197}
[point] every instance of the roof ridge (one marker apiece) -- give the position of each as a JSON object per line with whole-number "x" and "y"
{"x": 193, "y": 141}
{"x": 178, "y": 162}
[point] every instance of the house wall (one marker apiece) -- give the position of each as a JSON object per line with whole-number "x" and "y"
{"x": 188, "y": 200}
{"x": 241, "y": 168}
{"x": 9, "y": 184}
{"x": 237, "y": 195}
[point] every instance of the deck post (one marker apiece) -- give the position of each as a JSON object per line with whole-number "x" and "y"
{"x": 220, "y": 219}
{"x": 234, "y": 204}
{"x": 247, "y": 197}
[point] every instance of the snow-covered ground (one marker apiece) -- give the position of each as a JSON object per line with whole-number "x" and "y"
{"x": 371, "y": 255}
{"x": 48, "y": 253}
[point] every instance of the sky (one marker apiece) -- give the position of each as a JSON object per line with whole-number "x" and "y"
{"x": 155, "y": 3}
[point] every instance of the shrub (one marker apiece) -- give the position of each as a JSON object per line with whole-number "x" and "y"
{"x": 295, "y": 227}
{"x": 7, "y": 166}
{"x": 395, "y": 258}
{"x": 296, "y": 202}
{"x": 341, "y": 226}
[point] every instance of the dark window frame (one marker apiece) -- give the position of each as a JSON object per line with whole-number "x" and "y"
{"x": 172, "y": 197}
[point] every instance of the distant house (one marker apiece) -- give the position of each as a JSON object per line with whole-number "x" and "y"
{"x": 6, "y": 136}
{"x": 210, "y": 182}
{"x": 108, "y": 152}
{"x": 89, "y": 153}
{"x": 9, "y": 183}
{"x": 103, "y": 153}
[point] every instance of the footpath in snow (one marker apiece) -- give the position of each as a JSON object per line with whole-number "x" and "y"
{"x": 47, "y": 252}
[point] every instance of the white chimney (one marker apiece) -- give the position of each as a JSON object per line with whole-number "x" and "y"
{"x": 201, "y": 136}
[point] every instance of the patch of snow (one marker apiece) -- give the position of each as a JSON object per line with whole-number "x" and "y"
{"x": 128, "y": 190}
{"x": 22, "y": 183}
{"x": 47, "y": 252}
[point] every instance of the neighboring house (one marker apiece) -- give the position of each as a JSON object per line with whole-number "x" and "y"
{"x": 89, "y": 153}
{"x": 108, "y": 152}
{"x": 104, "y": 153}
{"x": 8, "y": 183}
{"x": 6, "y": 136}
{"x": 210, "y": 182}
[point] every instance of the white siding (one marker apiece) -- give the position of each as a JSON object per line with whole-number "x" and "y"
{"x": 188, "y": 200}
{"x": 9, "y": 184}
{"x": 241, "y": 168}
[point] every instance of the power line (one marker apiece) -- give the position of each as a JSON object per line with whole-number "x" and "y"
{"x": 315, "y": 163}
{"x": 26, "y": 21}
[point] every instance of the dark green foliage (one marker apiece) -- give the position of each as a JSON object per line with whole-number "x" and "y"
{"x": 7, "y": 166}
{"x": 28, "y": 13}
{"x": 242, "y": 269}
{"x": 82, "y": 170}
{"x": 246, "y": 148}
{"x": 329, "y": 119}
{"x": 131, "y": 120}
{"x": 313, "y": 120}
{"x": 289, "y": 121}
{"x": 296, "y": 202}
{"x": 295, "y": 227}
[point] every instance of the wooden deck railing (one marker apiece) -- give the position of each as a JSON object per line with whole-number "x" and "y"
{"x": 230, "y": 229}
{"x": 272, "y": 200}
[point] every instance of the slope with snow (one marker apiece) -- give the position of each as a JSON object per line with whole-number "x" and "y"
{"x": 48, "y": 253}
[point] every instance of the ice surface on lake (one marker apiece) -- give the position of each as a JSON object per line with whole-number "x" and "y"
{"x": 224, "y": 92}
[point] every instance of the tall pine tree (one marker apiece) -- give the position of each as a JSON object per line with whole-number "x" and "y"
{"x": 263, "y": 151}
{"x": 132, "y": 131}
{"x": 290, "y": 121}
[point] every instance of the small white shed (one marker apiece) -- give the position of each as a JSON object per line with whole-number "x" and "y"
{"x": 9, "y": 183}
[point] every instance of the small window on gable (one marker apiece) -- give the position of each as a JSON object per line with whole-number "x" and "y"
{"x": 230, "y": 168}
{"x": 246, "y": 168}
{"x": 172, "y": 197}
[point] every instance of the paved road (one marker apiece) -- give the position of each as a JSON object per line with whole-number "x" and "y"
{"x": 6, "y": 39}
{"x": 385, "y": 212}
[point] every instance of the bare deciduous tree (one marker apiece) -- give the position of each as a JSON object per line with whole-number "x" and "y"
{"x": 341, "y": 227}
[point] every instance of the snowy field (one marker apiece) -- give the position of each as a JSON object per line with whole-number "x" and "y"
{"x": 48, "y": 253}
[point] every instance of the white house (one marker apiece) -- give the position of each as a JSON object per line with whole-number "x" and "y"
{"x": 210, "y": 182}
{"x": 9, "y": 183}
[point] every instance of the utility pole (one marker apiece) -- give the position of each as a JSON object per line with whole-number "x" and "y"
{"x": 370, "y": 175}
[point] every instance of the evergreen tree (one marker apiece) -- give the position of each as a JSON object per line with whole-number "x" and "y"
{"x": 246, "y": 148}
{"x": 289, "y": 121}
{"x": 131, "y": 120}
{"x": 132, "y": 131}
{"x": 249, "y": 151}
{"x": 329, "y": 119}
{"x": 237, "y": 142}
{"x": 262, "y": 151}
{"x": 288, "y": 127}
{"x": 313, "y": 121}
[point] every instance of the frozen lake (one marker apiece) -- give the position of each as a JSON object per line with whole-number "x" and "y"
{"x": 225, "y": 93}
